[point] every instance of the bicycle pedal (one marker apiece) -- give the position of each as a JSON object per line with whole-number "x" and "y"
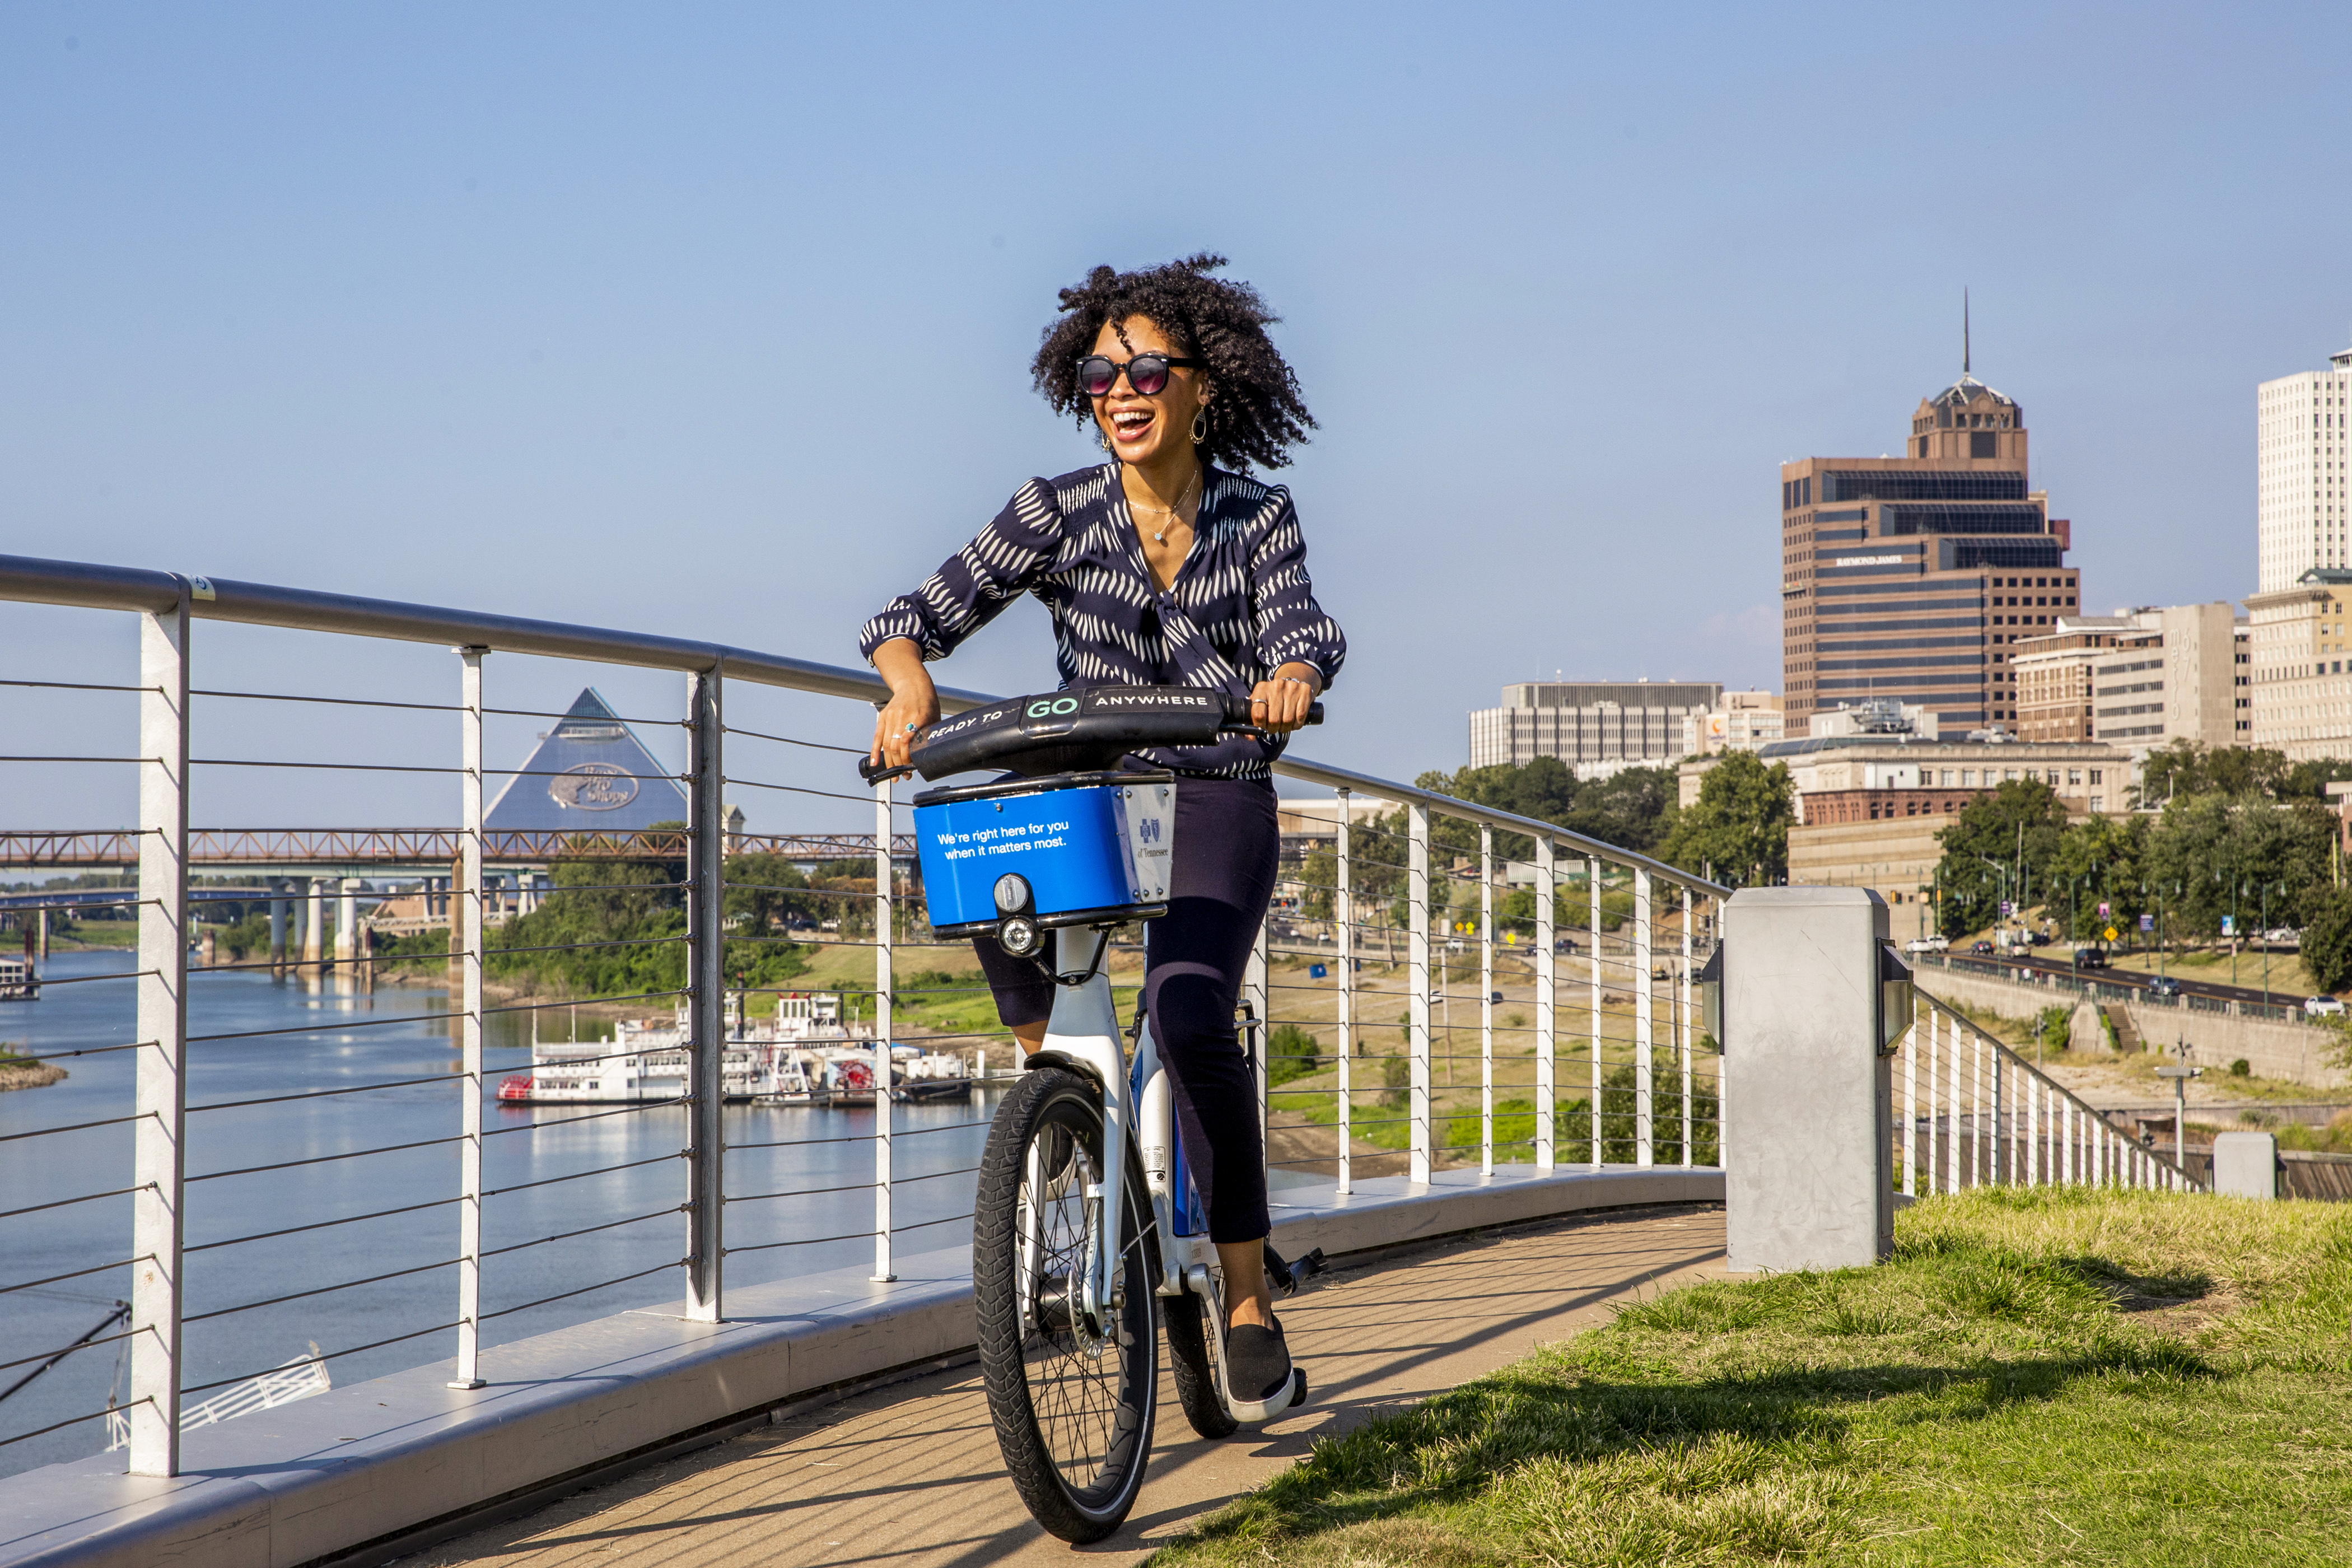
{"x": 1285, "y": 1277}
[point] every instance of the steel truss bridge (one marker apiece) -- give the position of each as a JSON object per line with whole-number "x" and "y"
{"x": 426, "y": 850}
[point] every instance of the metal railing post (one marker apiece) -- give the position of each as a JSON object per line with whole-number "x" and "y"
{"x": 159, "y": 1158}
{"x": 469, "y": 1023}
{"x": 1683, "y": 1025}
{"x": 1592, "y": 967}
{"x": 1910, "y": 1101}
{"x": 1343, "y": 908}
{"x": 1486, "y": 999}
{"x": 1257, "y": 993}
{"x": 705, "y": 982}
{"x": 1547, "y": 1010}
{"x": 1417, "y": 980}
{"x": 1952, "y": 1097}
{"x": 885, "y": 983}
{"x": 1644, "y": 1024}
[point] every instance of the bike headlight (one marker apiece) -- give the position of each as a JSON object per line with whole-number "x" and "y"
{"x": 1018, "y": 935}
{"x": 1012, "y": 893}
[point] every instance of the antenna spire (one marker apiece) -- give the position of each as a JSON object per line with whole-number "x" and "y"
{"x": 1965, "y": 366}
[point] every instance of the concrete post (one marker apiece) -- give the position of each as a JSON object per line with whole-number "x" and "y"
{"x": 1417, "y": 981}
{"x": 1806, "y": 1090}
{"x": 314, "y": 924}
{"x": 276, "y": 923}
{"x": 1343, "y": 914}
{"x": 347, "y": 923}
{"x": 44, "y": 937}
{"x": 159, "y": 1091}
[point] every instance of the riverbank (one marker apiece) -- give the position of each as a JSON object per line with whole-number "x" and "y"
{"x": 15, "y": 1072}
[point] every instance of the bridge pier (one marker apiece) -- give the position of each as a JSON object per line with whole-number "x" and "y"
{"x": 314, "y": 925}
{"x": 347, "y": 921}
{"x": 277, "y": 925}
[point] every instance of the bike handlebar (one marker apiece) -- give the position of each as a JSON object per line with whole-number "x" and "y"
{"x": 1073, "y": 731}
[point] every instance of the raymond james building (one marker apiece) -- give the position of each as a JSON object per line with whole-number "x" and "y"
{"x": 1908, "y": 578}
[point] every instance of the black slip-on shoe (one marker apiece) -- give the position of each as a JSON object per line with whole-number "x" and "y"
{"x": 1257, "y": 1361}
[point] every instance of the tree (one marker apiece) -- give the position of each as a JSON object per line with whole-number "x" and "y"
{"x": 2018, "y": 827}
{"x": 1739, "y": 823}
{"x": 2100, "y": 860}
{"x": 2327, "y": 939}
{"x": 2213, "y": 852}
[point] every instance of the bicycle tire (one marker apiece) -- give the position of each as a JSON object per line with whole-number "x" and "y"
{"x": 1189, "y": 1321}
{"x": 1075, "y": 1435}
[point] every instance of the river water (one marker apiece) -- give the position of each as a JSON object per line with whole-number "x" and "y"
{"x": 333, "y": 1040}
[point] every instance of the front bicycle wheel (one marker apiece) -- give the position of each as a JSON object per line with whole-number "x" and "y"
{"x": 1071, "y": 1396}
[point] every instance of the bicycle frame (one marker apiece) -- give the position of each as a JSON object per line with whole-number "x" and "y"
{"x": 1083, "y": 1035}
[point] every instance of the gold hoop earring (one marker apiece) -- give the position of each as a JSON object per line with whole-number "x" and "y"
{"x": 1201, "y": 426}
{"x": 1102, "y": 438}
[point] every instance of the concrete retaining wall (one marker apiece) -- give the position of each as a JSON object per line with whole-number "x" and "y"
{"x": 369, "y": 1470}
{"x": 2297, "y": 1053}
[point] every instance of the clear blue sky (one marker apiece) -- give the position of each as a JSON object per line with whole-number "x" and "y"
{"x": 715, "y": 320}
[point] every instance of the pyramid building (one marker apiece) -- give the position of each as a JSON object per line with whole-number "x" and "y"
{"x": 590, "y": 774}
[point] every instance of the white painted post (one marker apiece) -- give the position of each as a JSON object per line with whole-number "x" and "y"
{"x": 469, "y": 1025}
{"x": 1644, "y": 1023}
{"x": 1343, "y": 908}
{"x": 1593, "y": 968}
{"x": 1911, "y": 1099}
{"x": 1977, "y": 1159}
{"x": 1937, "y": 1024}
{"x": 885, "y": 982}
{"x": 1952, "y": 1140}
{"x": 1486, "y": 999}
{"x": 1682, "y": 1025}
{"x": 1417, "y": 978}
{"x": 706, "y": 928}
{"x": 160, "y": 1091}
{"x": 314, "y": 925}
{"x": 1547, "y": 1009}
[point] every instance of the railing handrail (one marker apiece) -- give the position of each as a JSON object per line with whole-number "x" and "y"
{"x": 91, "y": 586}
{"x": 2047, "y": 1083}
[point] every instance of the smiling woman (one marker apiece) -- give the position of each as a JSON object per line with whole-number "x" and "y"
{"x": 1163, "y": 568}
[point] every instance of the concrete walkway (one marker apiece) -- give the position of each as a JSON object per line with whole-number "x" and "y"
{"x": 909, "y": 1475}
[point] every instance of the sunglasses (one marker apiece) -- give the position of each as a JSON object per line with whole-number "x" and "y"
{"x": 1148, "y": 373}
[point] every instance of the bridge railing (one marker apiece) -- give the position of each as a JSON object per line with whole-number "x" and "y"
{"x": 1970, "y": 1112}
{"x": 513, "y": 1219}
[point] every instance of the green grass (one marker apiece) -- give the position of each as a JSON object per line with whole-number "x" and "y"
{"x": 2044, "y": 1376}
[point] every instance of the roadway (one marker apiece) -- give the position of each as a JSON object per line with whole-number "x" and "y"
{"x": 2135, "y": 980}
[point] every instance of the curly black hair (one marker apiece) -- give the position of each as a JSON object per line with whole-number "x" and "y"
{"x": 1255, "y": 412}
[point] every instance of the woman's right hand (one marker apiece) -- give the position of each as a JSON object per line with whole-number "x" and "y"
{"x": 914, "y": 701}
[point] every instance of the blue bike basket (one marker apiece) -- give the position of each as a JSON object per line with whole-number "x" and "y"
{"x": 1092, "y": 848}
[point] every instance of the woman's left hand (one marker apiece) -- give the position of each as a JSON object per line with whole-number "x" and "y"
{"x": 1280, "y": 705}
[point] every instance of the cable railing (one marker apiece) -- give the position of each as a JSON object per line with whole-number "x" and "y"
{"x": 1970, "y": 1111}
{"x": 427, "y": 1198}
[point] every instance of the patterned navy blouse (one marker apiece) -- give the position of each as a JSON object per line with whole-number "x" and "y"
{"x": 1241, "y": 606}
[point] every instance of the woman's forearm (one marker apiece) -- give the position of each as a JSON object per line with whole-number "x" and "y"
{"x": 900, "y": 663}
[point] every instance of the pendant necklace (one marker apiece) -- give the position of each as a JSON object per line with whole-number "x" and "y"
{"x": 1160, "y": 536}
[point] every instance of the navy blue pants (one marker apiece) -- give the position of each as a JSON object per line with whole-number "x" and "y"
{"x": 1227, "y": 841}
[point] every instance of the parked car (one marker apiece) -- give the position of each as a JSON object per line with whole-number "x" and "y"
{"x": 1929, "y": 944}
{"x": 2164, "y": 985}
{"x": 2283, "y": 936}
{"x": 2324, "y": 1007}
{"x": 2090, "y": 958}
{"x": 1980, "y": 949}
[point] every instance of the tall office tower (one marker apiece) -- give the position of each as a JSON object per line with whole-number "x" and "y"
{"x": 1908, "y": 578}
{"x": 2303, "y": 506}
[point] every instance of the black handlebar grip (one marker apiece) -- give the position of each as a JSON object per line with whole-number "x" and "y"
{"x": 1238, "y": 705}
{"x": 873, "y": 773}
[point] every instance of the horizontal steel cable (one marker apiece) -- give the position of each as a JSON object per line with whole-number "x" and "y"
{"x": 86, "y": 1051}
{"x": 609, "y": 1056}
{"x": 788, "y": 741}
{"x": 95, "y": 1269}
{"x": 326, "y": 1159}
{"x": 587, "y": 1231}
{"x": 320, "y": 767}
{"x": 75, "y": 1127}
{"x": 319, "y": 1029}
{"x": 896, "y": 1181}
{"x": 592, "y": 1116}
{"x": 783, "y": 789}
{"x": 321, "y": 1290}
{"x": 809, "y": 1142}
{"x": 45, "y": 759}
{"x": 69, "y": 1421}
{"x": 449, "y": 1078}
{"x": 334, "y": 701}
{"x": 69, "y": 1350}
{"x": 567, "y": 1295}
{"x": 66, "y": 1203}
{"x": 324, "y": 1356}
{"x": 541, "y": 714}
{"x": 46, "y": 980}
{"x": 582, "y": 1176}
{"x": 866, "y": 1235}
{"x": 326, "y": 1224}
{"x": 578, "y": 946}
{"x": 924, "y": 1131}
{"x": 78, "y": 686}
{"x": 581, "y": 1002}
